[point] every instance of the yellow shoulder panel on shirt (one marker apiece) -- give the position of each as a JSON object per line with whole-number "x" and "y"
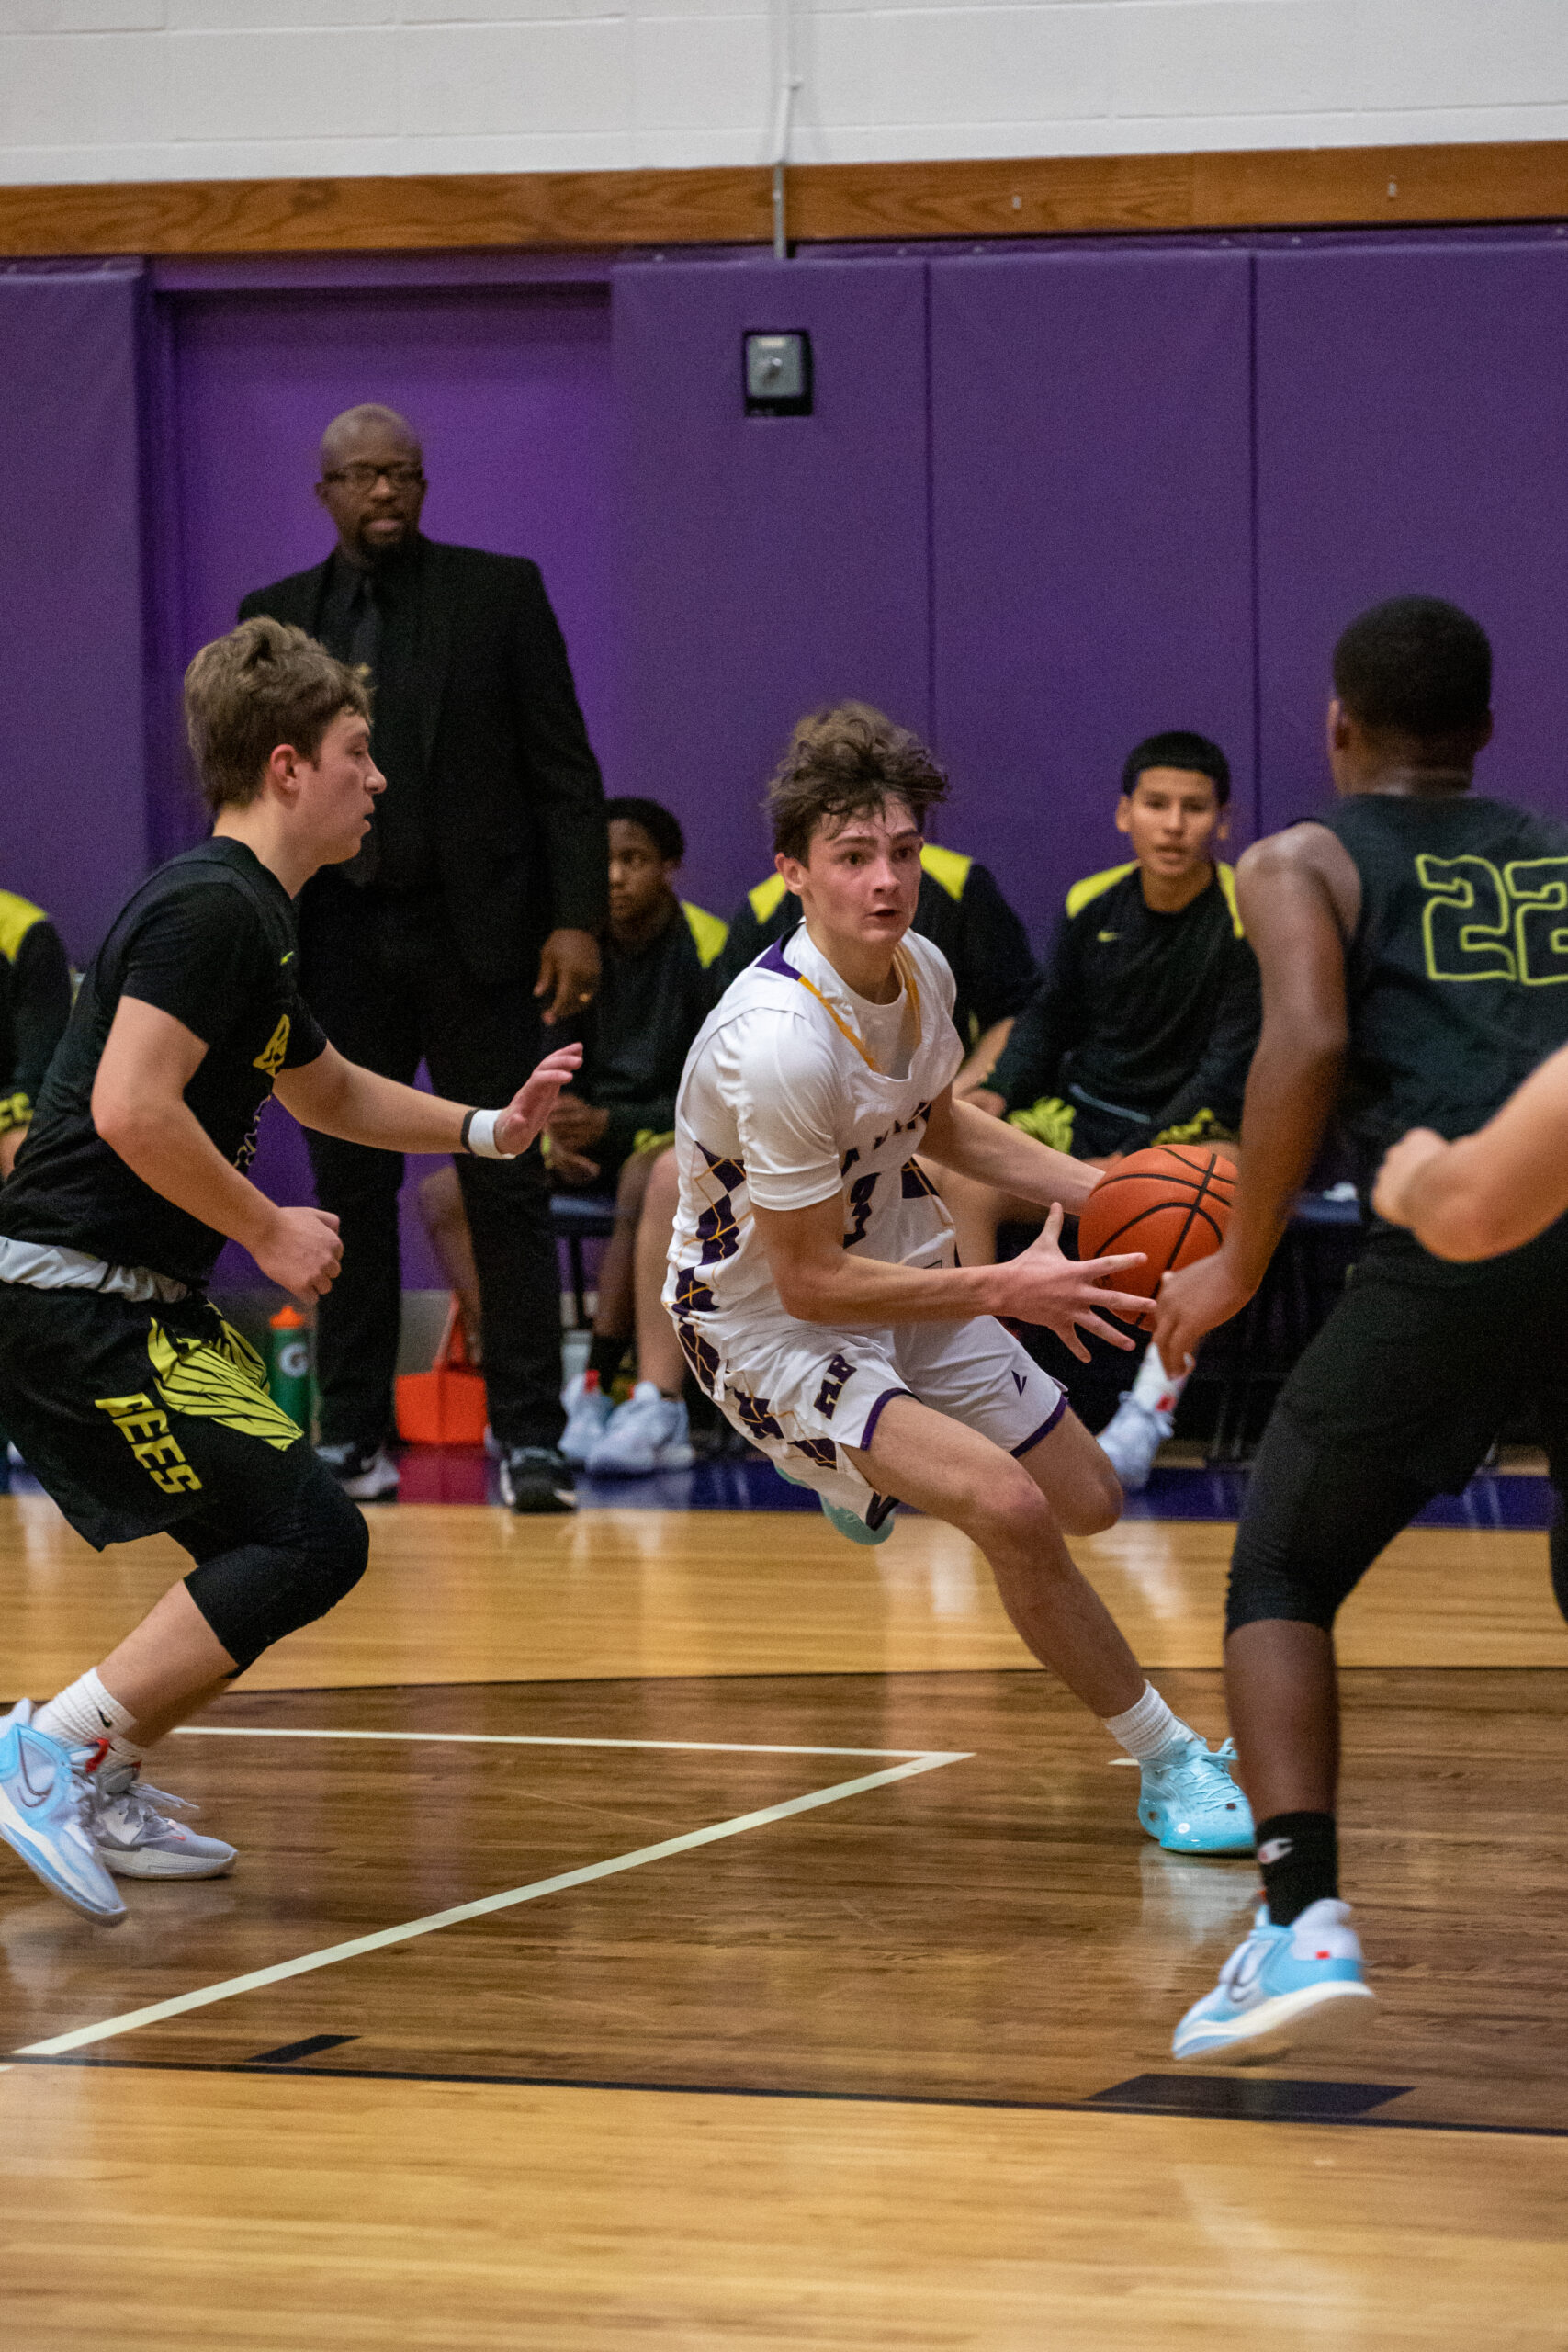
{"x": 1227, "y": 884}
{"x": 17, "y": 917}
{"x": 1094, "y": 885}
{"x": 764, "y": 899}
{"x": 707, "y": 930}
{"x": 950, "y": 867}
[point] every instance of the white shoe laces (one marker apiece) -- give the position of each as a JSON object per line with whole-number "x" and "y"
{"x": 145, "y": 1806}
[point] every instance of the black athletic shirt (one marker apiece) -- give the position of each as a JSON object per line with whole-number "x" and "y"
{"x": 1458, "y": 973}
{"x": 1153, "y": 1013}
{"x": 651, "y": 1002}
{"x": 209, "y": 938}
{"x": 35, "y": 1004}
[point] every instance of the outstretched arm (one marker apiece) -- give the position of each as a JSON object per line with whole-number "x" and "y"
{"x": 1299, "y": 893}
{"x": 1492, "y": 1190}
{"x": 338, "y": 1098}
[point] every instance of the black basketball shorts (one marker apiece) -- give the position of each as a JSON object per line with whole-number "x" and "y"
{"x": 135, "y": 1417}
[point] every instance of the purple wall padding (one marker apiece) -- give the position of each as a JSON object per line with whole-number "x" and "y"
{"x": 1413, "y": 436}
{"x": 770, "y": 564}
{"x": 510, "y": 389}
{"x": 72, "y": 780}
{"x": 1092, "y": 550}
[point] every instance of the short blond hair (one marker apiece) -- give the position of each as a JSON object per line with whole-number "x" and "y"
{"x": 265, "y": 684}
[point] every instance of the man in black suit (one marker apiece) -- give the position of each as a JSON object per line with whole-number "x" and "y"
{"x": 481, "y": 890}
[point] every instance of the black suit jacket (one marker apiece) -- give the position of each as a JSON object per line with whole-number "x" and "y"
{"x": 515, "y": 802}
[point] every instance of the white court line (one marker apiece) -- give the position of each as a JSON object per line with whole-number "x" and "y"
{"x": 536, "y": 1739}
{"x": 204, "y": 1995}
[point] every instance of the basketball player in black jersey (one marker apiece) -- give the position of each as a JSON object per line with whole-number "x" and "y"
{"x": 1413, "y": 954}
{"x": 137, "y": 1406}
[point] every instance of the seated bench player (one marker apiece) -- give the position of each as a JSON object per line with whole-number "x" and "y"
{"x": 812, "y": 1280}
{"x": 137, "y": 1408}
{"x": 961, "y": 911}
{"x": 35, "y": 1004}
{"x": 656, "y": 990}
{"x": 1140, "y": 1030}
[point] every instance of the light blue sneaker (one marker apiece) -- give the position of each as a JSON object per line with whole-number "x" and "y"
{"x": 46, "y": 1799}
{"x": 648, "y": 1432}
{"x": 1281, "y": 1987}
{"x": 849, "y": 1523}
{"x": 872, "y": 1530}
{"x": 1189, "y": 1800}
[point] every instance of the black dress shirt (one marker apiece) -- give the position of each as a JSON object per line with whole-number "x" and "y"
{"x": 372, "y": 617}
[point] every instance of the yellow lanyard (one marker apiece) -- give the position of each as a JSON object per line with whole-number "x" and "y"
{"x": 906, "y": 971}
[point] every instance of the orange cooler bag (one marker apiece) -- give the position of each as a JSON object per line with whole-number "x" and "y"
{"x": 445, "y": 1406}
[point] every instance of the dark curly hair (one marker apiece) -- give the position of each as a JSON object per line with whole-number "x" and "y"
{"x": 842, "y": 763}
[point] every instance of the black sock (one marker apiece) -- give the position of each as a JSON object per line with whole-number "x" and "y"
{"x": 1299, "y": 1854}
{"x": 606, "y": 1351}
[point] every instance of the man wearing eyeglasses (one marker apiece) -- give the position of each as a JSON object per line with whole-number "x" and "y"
{"x": 471, "y": 913}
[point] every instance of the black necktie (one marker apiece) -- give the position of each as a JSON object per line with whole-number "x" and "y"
{"x": 364, "y": 626}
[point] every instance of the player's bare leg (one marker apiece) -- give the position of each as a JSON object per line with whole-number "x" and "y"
{"x": 1018, "y": 1513}
{"x": 658, "y": 1353}
{"x": 1283, "y": 1698}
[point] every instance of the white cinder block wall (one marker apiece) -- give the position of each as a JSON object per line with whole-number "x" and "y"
{"x": 200, "y": 89}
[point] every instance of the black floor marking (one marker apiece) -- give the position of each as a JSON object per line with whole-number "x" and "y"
{"x": 1258, "y": 2099}
{"x": 1098, "y": 2103}
{"x": 310, "y": 2048}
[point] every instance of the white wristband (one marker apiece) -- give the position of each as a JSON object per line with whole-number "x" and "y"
{"x": 482, "y": 1136}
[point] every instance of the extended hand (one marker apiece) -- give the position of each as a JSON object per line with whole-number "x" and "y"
{"x": 574, "y": 1125}
{"x": 1193, "y": 1301}
{"x": 302, "y": 1252}
{"x": 529, "y": 1108}
{"x": 1064, "y": 1294}
{"x": 569, "y": 974}
{"x": 1408, "y": 1157}
{"x": 571, "y": 1167}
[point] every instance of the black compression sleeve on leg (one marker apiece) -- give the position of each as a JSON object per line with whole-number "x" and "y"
{"x": 253, "y": 1594}
{"x": 1314, "y": 1520}
{"x": 1298, "y": 1855}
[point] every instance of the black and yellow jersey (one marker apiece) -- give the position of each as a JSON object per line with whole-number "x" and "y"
{"x": 1150, "y": 1018}
{"x": 35, "y": 1004}
{"x": 209, "y": 939}
{"x": 960, "y": 911}
{"x": 651, "y": 1002}
{"x": 1457, "y": 977}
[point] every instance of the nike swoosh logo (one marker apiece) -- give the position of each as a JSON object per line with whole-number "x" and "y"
{"x": 31, "y": 1793}
{"x": 287, "y": 959}
{"x": 1021, "y": 1381}
{"x": 1104, "y": 936}
{"x": 103, "y": 1719}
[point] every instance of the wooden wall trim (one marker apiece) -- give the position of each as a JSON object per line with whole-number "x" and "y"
{"x": 1290, "y": 188}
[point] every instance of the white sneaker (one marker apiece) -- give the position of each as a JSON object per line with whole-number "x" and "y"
{"x": 647, "y": 1433}
{"x": 1131, "y": 1440}
{"x": 135, "y": 1837}
{"x": 365, "y": 1477}
{"x": 587, "y": 1411}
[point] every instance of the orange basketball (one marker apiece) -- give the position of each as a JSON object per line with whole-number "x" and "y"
{"x": 1172, "y": 1202}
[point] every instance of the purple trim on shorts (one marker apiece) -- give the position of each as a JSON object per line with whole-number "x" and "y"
{"x": 1046, "y": 1425}
{"x": 869, "y": 1432}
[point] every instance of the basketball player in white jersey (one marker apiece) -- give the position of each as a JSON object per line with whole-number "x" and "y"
{"x": 813, "y": 1280}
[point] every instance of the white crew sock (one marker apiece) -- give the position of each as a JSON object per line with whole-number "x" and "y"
{"x": 1154, "y": 1389}
{"x": 1146, "y": 1730}
{"x": 86, "y": 1713}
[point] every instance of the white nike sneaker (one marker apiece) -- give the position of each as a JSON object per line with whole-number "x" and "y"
{"x": 587, "y": 1411}
{"x": 648, "y": 1432}
{"x": 365, "y": 1477}
{"x": 135, "y": 1837}
{"x": 1131, "y": 1440}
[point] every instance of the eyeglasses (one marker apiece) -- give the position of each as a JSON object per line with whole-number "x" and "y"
{"x": 365, "y": 477}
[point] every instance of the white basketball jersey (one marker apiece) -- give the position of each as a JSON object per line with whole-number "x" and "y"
{"x": 794, "y": 1090}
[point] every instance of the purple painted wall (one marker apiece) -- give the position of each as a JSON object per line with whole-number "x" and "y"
{"x": 770, "y": 564}
{"x": 509, "y": 388}
{"x": 72, "y": 784}
{"x": 1413, "y": 434}
{"x": 1092, "y": 542}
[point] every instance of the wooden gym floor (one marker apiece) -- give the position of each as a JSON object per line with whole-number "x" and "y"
{"x": 683, "y": 1928}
